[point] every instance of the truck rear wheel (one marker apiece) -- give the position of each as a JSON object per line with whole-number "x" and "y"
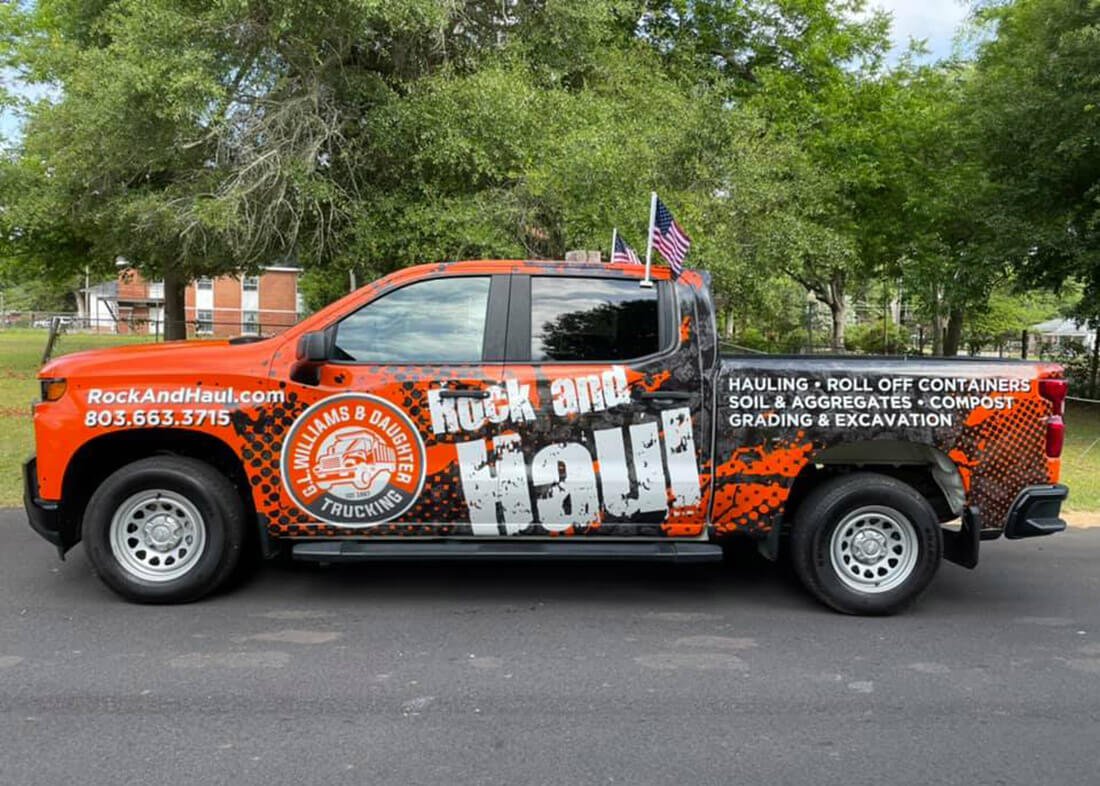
{"x": 165, "y": 529}
{"x": 866, "y": 544}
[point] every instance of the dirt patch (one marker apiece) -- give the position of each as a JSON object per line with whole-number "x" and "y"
{"x": 1084, "y": 519}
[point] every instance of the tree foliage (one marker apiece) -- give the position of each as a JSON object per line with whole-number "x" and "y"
{"x": 355, "y": 137}
{"x": 1037, "y": 104}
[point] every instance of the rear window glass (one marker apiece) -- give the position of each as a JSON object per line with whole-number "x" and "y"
{"x": 592, "y": 319}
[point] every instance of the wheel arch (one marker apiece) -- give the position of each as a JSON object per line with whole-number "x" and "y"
{"x": 103, "y": 455}
{"x": 924, "y": 467}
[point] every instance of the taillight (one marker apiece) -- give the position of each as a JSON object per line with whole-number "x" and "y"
{"x": 1054, "y": 391}
{"x": 1056, "y": 436}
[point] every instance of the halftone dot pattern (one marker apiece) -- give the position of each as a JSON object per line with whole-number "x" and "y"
{"x": 1007, "y": 451}
{"x": 752, "y": 486}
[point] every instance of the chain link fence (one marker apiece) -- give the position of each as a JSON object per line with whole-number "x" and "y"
{"x": 53, "y": 325}
{"x": 153, "y": 328}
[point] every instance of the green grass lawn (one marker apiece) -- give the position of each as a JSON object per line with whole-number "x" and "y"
{"x": 20, "y": 358}
{"x": 1081, "y": 457}
{"x": 21, "y": 353}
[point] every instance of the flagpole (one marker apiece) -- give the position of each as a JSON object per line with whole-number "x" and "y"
{"x": 647, "y": 282}
{"x": 614, "y": 237}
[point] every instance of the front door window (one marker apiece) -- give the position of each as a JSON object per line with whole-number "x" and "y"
{"x": 437, "y": 321}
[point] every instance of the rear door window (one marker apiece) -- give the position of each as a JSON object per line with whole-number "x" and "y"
{"x": 592, "y": 319}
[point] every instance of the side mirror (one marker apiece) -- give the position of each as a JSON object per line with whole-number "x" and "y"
{"x": 313, "y": 347}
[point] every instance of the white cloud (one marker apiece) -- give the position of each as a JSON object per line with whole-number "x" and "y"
{"x": 933, "y": 20}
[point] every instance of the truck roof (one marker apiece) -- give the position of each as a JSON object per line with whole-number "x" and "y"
{"x": 542, "y": 265}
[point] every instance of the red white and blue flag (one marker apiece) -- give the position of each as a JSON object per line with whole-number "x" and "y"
{"x": 623, "y": 253}
{"x": 670, "y": 239}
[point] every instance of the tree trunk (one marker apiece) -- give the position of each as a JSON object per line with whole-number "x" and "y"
{"x": 1094, "y": 371}
{"x": 175, "y": 315}
{"x": 953, "y": 337}
{"x": 839, "y": 311}
{"x": 838, "y": 306}
{"x": 730, "y": 315}
{"x": 937, "y": 322}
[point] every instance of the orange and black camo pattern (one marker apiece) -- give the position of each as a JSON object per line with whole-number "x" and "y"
{"x": 678, "y": 444}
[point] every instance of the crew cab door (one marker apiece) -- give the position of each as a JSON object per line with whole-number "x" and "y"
{"x": 411, "y": 374}
{"x": 617, "y": 442}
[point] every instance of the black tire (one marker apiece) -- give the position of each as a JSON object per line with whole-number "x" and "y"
{"x": 884, "y": 505}
{"x": 196, "y": 487}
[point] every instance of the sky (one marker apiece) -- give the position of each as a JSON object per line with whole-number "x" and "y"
{"x": 933, "y": 20}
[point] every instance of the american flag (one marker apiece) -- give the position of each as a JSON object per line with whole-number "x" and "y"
{"x": 624, "y": 253}
{"x": 670, "y": 239}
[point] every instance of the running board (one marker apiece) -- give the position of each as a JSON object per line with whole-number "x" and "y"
{"x": 366, "y": 551}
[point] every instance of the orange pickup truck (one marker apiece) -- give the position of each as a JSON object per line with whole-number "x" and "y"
{"x": 522, "y": 410}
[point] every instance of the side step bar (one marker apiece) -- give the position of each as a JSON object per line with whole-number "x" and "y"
{"x": 366, "y": 551}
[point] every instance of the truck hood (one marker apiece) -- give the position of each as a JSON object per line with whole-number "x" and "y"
{"x": 143, "y": 361}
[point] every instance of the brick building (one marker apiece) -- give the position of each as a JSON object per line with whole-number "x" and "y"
{"x": 226, "y": 306}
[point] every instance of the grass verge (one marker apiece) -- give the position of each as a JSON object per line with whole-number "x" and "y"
{"x": 20, "y": 357}
{"x": 1081, "y": 456}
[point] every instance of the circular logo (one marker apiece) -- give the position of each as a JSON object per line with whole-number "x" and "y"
{"x": 353, "y": 460}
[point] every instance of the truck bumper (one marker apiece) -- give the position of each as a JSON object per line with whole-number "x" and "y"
{"x": 45, "y": 517}
{"x": 1037, "y": 511}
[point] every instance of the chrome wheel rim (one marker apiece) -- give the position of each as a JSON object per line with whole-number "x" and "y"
{"x": 157, "y": 535}
{"x": 874, "y": 549}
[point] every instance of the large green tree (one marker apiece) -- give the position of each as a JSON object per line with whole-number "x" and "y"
{"x": 200, "y": 138}
{"x": 810, "y": 69}
{"x": 1037, "y": 103}
{"x": 205, "y": 137}
{"x": 946, "y": 229}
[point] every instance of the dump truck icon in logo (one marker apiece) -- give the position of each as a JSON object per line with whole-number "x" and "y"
{"x": 354, "y": 462}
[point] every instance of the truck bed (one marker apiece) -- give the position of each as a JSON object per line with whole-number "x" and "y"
{"x": 983, "y": 420}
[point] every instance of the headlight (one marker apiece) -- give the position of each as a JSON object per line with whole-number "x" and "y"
{"x": 52, "y": 389}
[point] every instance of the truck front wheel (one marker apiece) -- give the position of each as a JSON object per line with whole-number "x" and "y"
{"x": 165, "y": 529}
{"x": 866, "y": 543}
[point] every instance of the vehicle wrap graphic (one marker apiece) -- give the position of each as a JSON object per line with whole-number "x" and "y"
{"x": 548, "y": 477}
{"x": 353, "y": 459}
{"x": 773, "y": 425}
{"x": 653, "y": 448}
{"x": 536, "y": 417}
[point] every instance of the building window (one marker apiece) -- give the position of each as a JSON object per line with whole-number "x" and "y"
{"x": 205, "y": 283}
{"x": 250, "y": 283}
{"x": 156, "y": 290}
{"x": 250, "y": 323}
{"x": 204, "y": 323}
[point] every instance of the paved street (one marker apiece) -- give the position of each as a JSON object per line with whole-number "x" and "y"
{"x": 482, "y": 673}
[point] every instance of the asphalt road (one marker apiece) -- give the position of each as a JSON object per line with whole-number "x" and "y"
{"x": 483, "y": 673}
